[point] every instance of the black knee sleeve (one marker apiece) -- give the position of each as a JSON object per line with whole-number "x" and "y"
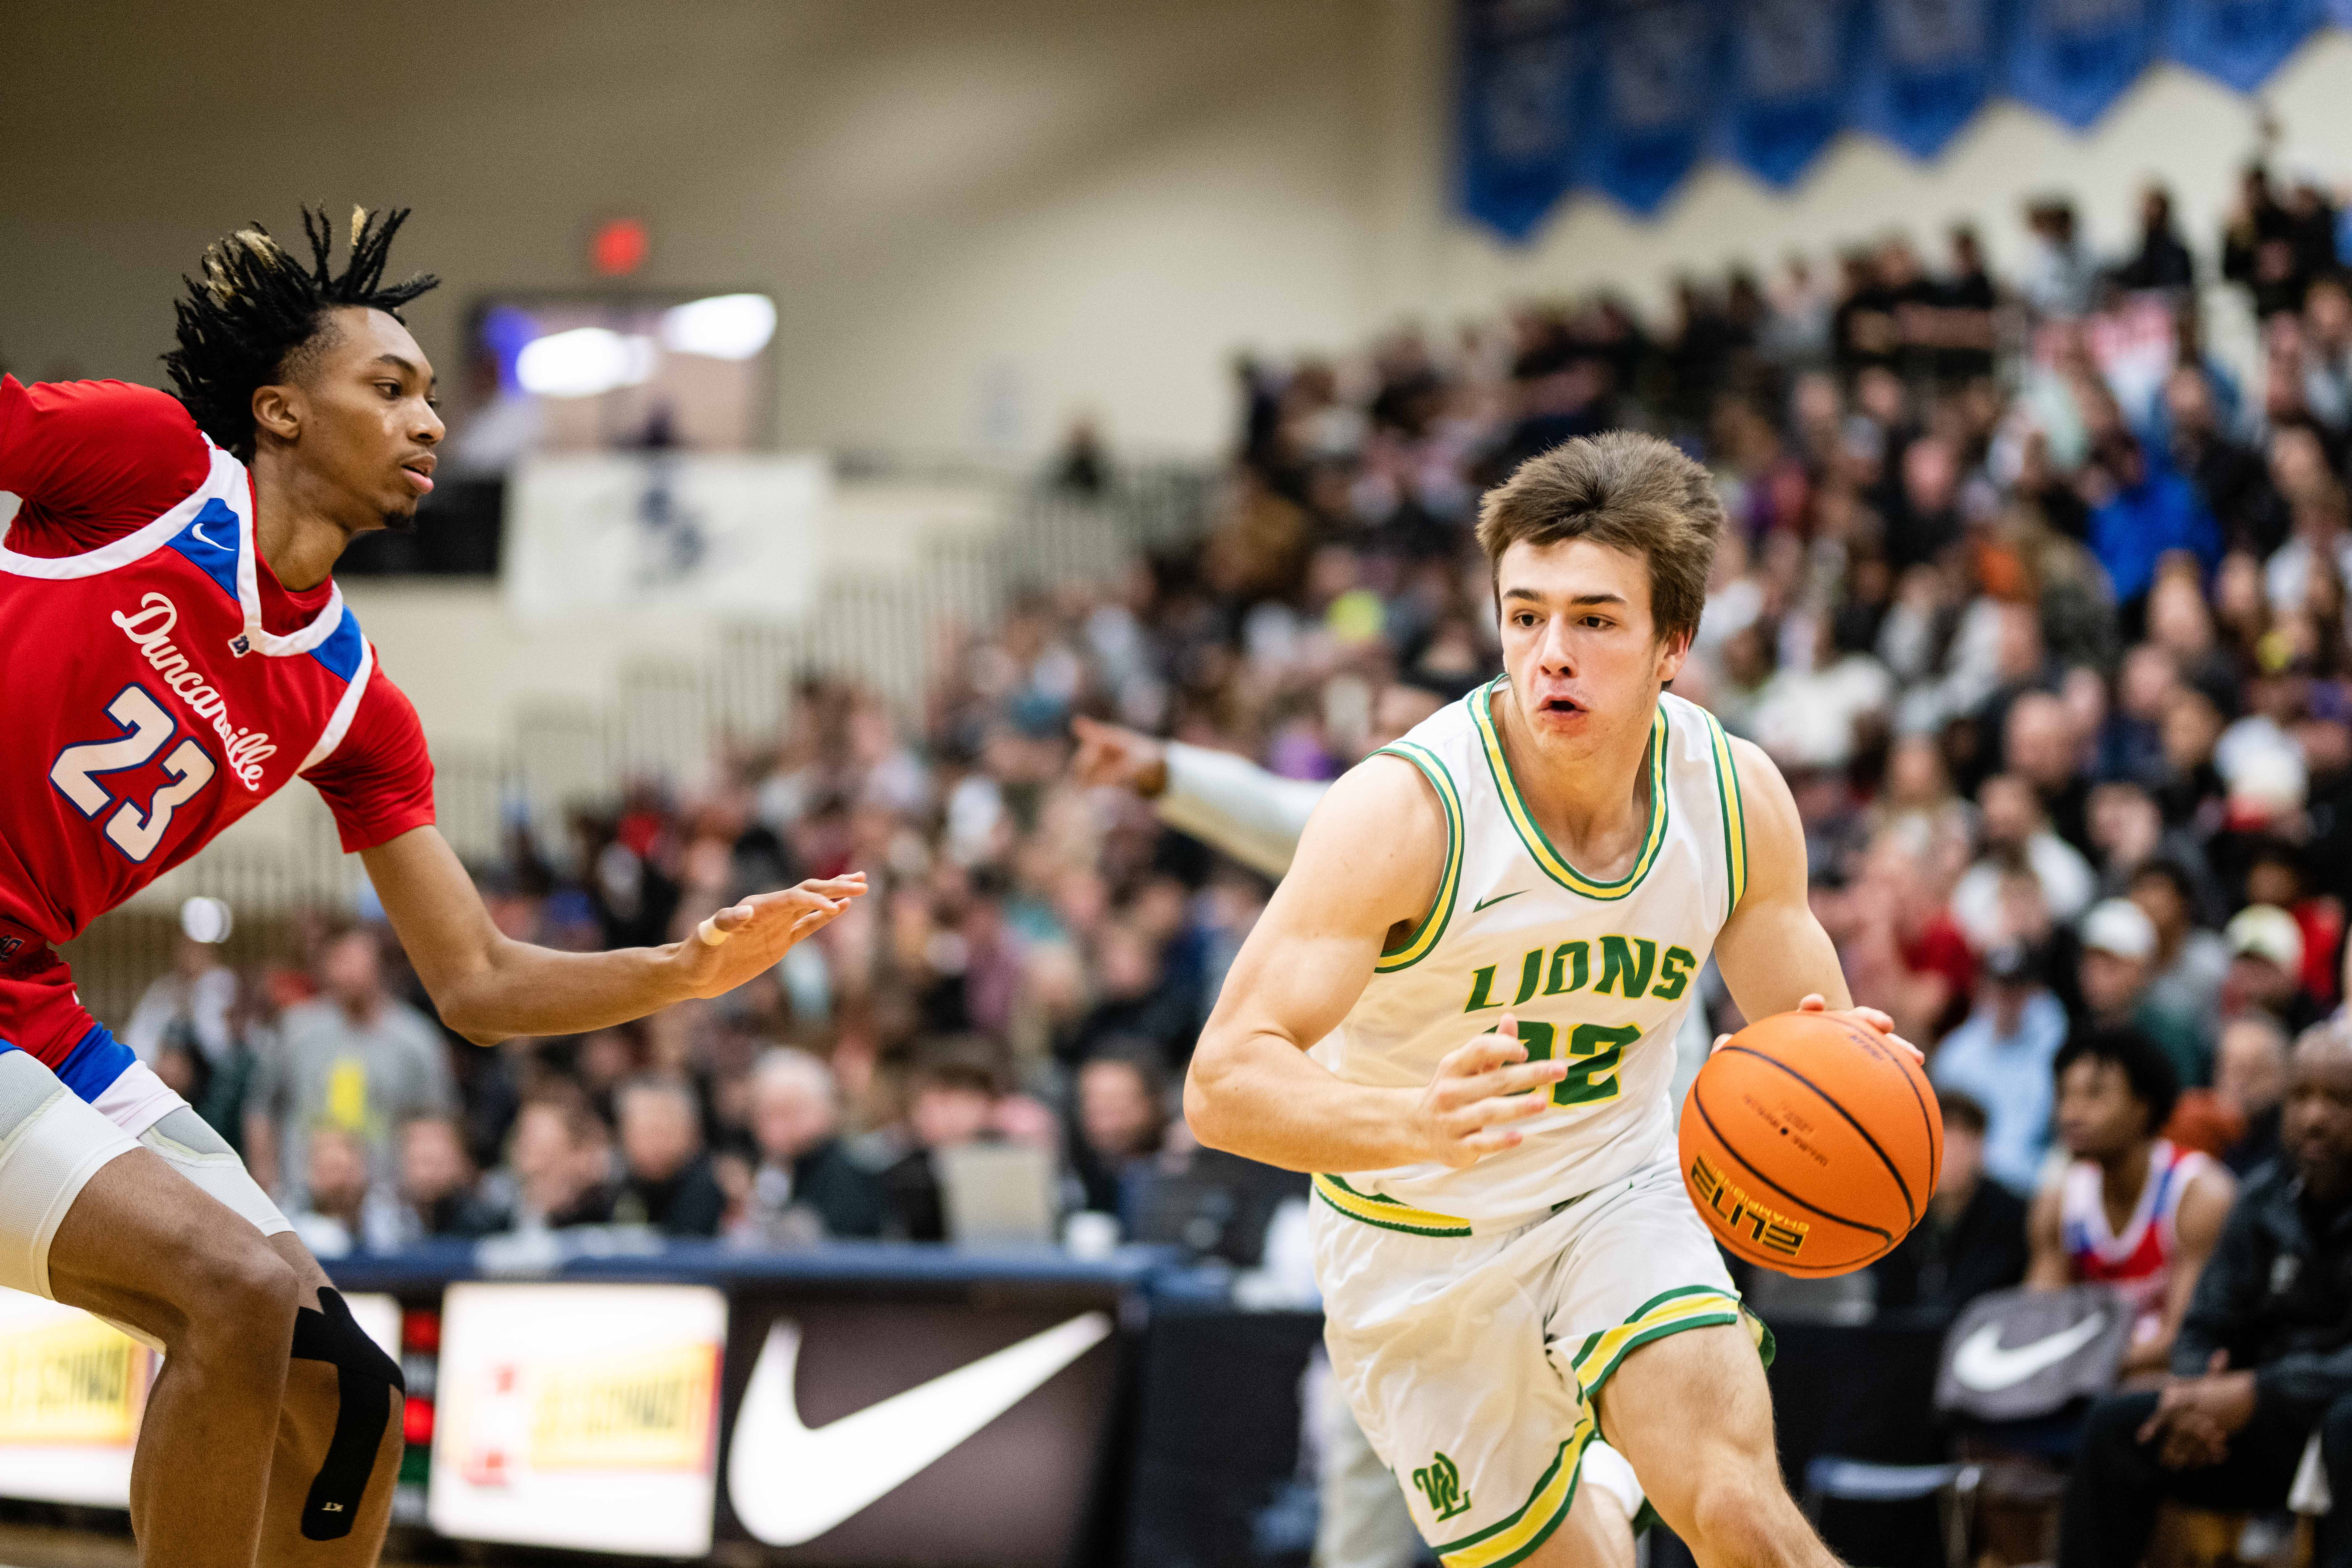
{"x": 366, "y": 1380}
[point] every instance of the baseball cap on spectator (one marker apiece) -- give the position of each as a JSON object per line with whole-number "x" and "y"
{"x": 2266, "y": 782}
{"x": 2265, "y": 930}
{"x": 2120, "y": 927}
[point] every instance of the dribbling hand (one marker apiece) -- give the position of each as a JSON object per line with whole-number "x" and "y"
{"x": 1817, "y": 1003}
{"x": 1480, "y": 1090}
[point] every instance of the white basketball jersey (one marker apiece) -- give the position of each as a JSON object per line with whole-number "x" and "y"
{"x": 1599, "y": 972}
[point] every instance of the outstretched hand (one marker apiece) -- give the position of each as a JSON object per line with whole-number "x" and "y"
{"x": 1480, "y": 1090}
{"x": 748, "y": 938}
{"x": 1869, "y": 1018}
{"x": 1108, "y": 754}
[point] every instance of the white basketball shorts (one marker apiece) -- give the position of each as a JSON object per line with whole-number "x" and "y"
{"x": 1473, "y": 1361}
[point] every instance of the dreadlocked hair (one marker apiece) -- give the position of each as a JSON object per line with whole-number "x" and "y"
{"x": 256, "y": 312}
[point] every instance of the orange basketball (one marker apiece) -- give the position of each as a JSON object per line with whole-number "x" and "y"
{"x": 1811, "y": 1144}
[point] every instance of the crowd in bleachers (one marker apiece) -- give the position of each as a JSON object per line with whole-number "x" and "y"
{"x": 2037, "y": 602}
{"x": 2038, "y": 606}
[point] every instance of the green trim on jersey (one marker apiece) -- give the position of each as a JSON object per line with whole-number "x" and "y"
{"x": 1387, "y": 1213}
{"x": 1735, "y": 809}
{"x": 1555, "y": 865}
{"x": 1432, "y": 924}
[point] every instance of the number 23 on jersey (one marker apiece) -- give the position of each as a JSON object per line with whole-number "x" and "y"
{"x": 145, "y": 729}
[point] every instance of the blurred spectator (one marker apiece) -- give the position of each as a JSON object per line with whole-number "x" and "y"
{"x": 343, "y": 1211}
{"x": 356, "y": 1059}
{"x": 2259, "y": 248}
{"x": 191, "y": 1001}
{"x": 1083, "y": 467}
{"x": 806, "y": 1184}
{"x": 558, "y": 1162}
{"x": 1122, "y": 1117}
{"x": 2250, "y": 1081}
{"x": 2230, "y": 475}
{"x": 2264, "y": 1359}
{"x": 2162, "y": 261}
{"x": 437, "y": 1192}
{"x": 1972, "y": 1238}
{"x": 2266, "y": 968}
{"x": 2190, "y": 964}
{"x": 2018, "y": 840}
{"x": 2060, "y": 278}
{"x": 665, "y": 1177}
{"x": 2140, "y": 513}
{"x": 2131, "y": 1210}
{"x": 2000, "y": 1059}
{"x": 2119, "y": 950}
{"x": 951, "y": 1100}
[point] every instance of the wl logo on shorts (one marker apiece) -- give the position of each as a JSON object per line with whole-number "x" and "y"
{"x": 1441, "y": 1483}
{"x": 1770, "y": 1226}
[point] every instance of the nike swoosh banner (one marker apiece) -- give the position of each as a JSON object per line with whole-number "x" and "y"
{"x": 898, "y": 1431}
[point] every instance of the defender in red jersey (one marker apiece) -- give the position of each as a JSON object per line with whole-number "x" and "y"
{"x": 173, "y": 650}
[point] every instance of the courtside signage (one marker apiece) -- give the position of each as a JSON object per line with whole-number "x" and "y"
{"x": 791, "y": 1484}
{"x": 579, "y": 1415}
{"x": 71, "y": 1391}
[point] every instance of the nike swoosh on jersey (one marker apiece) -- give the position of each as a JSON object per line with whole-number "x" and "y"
{"x": 1496, "y": 900}
{"x": 198, "y": 530}
{"x": 790, "y": 1484}
{"x": 1984, "y": 1365}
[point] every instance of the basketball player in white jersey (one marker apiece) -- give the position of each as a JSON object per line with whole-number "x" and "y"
{"x": 1458, "y": 1012}
{"x": 1232, "y": 805}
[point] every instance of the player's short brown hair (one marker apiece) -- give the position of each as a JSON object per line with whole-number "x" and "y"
{"x": 1624, "y": 489}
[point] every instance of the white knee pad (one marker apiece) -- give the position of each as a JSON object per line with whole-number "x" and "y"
{"x": 191, "y": 1147}
{"x": 50, "y": 1145}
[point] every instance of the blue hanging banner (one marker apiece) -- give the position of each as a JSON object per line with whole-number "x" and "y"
{"x": 1522, "y": 94}
{"x": 2074, "y": 58}
{"x": 1790, "y": 74}
{"x": 1929, "y": 67}
{"x": 1660, "y": 83}
{"x": 2240, "y": 43}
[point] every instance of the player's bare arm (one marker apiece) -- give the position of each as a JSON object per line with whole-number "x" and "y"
{"x": 2046, "y": 1268}
{"x": 2197, "y": 1229}
{"x": 1369, "y": 863}
{"x": 1773, "y": 952}
{"x": 488, "y": 988}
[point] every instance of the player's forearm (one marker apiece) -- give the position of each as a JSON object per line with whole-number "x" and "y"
{"x": 1232, "y": 804}
{"x": 1259, "y": 1096}
{"x": 526, "y": 990}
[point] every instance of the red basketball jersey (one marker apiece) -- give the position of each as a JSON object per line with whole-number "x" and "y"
{"x": 159, "y": 682}
{"x": 2139, "y": 1262}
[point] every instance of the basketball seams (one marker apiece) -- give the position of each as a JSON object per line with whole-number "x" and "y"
{"x": 1903, "y": 1186}
{"x": 1932, "y": 1120}
{"x": 1700, "y": 1106}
